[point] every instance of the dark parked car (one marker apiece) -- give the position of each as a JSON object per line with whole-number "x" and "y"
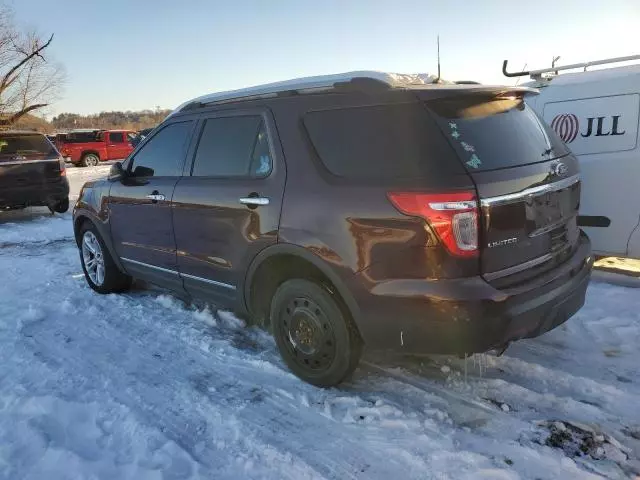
{"x": 32, "y": 173}
{"x": 351, "y": 210}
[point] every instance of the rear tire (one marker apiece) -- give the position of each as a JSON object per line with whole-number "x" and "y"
{"x": 61, "y": 207}
{"x": 314, "y": 333}
{"x": 98, "y": 266}
{"x": 90, "y": 160}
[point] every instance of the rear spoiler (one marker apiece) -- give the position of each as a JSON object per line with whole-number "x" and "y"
{"x": 459, "y": 90}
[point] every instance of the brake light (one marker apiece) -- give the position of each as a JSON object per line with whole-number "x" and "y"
{"x": 453, "y": 216}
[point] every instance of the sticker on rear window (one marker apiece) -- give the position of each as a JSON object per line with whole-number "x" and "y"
{"x": 474, "y": 161}
{"x": 467, "y": 147}
{"x": 454, "y": 130}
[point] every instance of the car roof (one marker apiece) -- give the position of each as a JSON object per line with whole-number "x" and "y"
{"x": 315, "y": 84}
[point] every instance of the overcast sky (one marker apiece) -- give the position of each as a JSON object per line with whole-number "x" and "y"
{"x": 135, "y": 54}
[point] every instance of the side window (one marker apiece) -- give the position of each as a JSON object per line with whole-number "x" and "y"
{"x": 233, "y": 147}
{"x": 116, "y": 137}
{"x": 164, "y": 153}
{"x": 381, "y": 142}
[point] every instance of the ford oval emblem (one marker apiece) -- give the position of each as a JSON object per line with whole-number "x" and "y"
{"x": 559, "y": 169}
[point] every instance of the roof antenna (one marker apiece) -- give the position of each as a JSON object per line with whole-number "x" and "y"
{"x": 553, "y": 63}
{"x": 438, "y": 79}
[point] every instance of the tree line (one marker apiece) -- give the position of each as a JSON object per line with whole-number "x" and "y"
{"x": 109, "y": 120}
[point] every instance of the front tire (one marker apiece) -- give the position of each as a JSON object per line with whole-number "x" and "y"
{"x": 100, "y": 270}
{"x": 314, "y": 333}
{"x": 61, "y": 207}
{"x": 90, "y": 160}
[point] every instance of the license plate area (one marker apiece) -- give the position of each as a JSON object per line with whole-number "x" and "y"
{"x": 548, "y": 209}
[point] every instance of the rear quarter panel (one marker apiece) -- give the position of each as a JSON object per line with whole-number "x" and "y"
{"x": 352, "y": 225}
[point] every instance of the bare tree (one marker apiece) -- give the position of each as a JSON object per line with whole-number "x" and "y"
{"x": 28, "y": 79}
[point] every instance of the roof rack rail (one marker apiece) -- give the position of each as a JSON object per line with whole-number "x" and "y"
{"x": 537, "y": 74}
{"x": 358, "y": 79}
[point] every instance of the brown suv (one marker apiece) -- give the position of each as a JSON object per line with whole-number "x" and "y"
{"x": 350, "y": 210}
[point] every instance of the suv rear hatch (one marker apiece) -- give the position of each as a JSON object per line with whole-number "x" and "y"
{"x": 28, "y": 159}
{"x": 526, "y": 179}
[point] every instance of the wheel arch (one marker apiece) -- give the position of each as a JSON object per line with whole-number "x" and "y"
{"x": 80, "y": 218}
{"x": 300, "y": 254}
{"x": 89, "y": 152}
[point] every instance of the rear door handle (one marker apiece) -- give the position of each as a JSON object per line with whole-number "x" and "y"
{"x": 254, "y": 201}
{"x": 155, "y": 196}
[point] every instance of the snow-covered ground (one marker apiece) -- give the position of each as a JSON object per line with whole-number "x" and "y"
{"x": 141, "y": 386}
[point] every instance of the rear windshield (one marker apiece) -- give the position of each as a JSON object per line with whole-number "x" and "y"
{"x": 492, "y": 132}
{"x": 381, "y": 142}
{"x": 26, "y": 145}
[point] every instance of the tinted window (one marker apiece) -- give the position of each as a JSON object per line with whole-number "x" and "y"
{"x": 165, "y": 151}
{"x": 26, "y": 145}
{"x": 116, "y": 137}
{"x": 81, "y": 137}
{"x": 233, "y": 147}
{"x": 381, "y": 142}
{"x": 492, "y": 132}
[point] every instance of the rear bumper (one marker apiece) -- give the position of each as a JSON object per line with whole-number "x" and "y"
{"x": 469, "y": 315}
{"x": 42, "y": 194}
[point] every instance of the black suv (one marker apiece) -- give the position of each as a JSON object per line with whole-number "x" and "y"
{"x": 32, "y": 172}
{"x": 351, "y": 210}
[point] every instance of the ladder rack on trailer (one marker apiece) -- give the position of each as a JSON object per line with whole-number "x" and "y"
{"x": 537, "y": 74}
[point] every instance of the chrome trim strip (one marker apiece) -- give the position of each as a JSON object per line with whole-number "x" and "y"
{"x": 206, "y": 280}
{"x": 517, "y": 268}
{"x": 173, "y": 272}
{"x": 530, "y": 192}
{"x": 459, "y": 205}
{"x": 23, "y": 162}
{"x": 135, "y": 262}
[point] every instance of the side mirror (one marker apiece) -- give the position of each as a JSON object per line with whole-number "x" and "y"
{"x": 141, "y": 171}
{"x": 116, "y": 172}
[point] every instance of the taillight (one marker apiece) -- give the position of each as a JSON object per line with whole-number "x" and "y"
{"x": 63, "y": 168}
{"x": 453, "y": 216}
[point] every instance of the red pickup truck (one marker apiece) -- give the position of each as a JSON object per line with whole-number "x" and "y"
{"x": 106, "y": 145}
